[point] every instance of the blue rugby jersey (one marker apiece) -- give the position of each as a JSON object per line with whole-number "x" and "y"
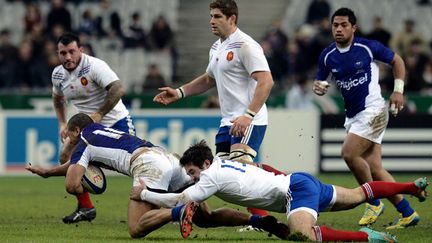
{"x": 355, "y": 72}
{"x": 106, "y": 147}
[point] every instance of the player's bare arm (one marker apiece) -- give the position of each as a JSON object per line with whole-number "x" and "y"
{"x": 264, "y": 86}
{"x": 197, "y": 86}
{"x": 135, "y": 193}
{"x": 397, "y": 99}
{"x": 74, "y": 175}
{"x": 59, "y": 103}
{"x": 115, "y": 92}
{"x": 59, "y": 170}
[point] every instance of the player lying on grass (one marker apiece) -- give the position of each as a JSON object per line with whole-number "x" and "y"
{"x": 299, "y": 195}
{"x": 141, "y": 160}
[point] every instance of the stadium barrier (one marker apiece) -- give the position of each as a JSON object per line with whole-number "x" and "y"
{"x": 406, "y": 147}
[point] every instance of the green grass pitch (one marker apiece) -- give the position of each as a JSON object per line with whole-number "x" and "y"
{"x": 32, "y": 207}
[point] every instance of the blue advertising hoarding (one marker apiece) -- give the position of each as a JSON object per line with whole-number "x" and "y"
{"x": 34, "y": 138}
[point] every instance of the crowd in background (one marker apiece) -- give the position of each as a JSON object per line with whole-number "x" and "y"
{"x": 27, "y": 66}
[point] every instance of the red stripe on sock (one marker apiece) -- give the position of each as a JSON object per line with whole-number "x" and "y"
{"x": 84, "y": 200}
{"x": 329, "y": 234}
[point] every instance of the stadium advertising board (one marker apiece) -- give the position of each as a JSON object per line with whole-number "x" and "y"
{"x": 34, "y": 138}
{"x": 406, "y": 147}
{"x": 290, "y": 143}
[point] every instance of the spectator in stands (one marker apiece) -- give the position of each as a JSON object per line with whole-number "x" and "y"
{"x": 8, "y": 59}
{"x": 416, "y": 60}
{"x": 276, "y": 36}
{"x": 108, "y": 22}
{"x": 300, "y": 95}
{"x": 308, "y": 45}
{"x": 161, "y": 34}
{"x": 275, "y": 60}
{"x": 58, "y": 15}
{"x": 50, "y": 55}
{"x": 379, "y": 33}
{"x": 86, "y": 46}
{"x": 161, "y": 38}
{"x": 32, "y": 17}
{"x": 136, "y": 36}
{"x": 401, "y": 42}
{"x": 317, "y": 10}
{"x": 427, "y": 77}
{"x": 324, "y": 36}
{"x": 38, "y": 38}
{"x": 154, "y": 79}
{"x": 295, "y": 62}
{"x": 87, "y": 23}
{"x": 30, "y": 73}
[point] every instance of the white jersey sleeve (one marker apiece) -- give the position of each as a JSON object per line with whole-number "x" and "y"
{"x": 56, "y": 77}
{"x": 253, "y": 59}
{"x": 103, "y": 75}
{"x": 205, "y": 188}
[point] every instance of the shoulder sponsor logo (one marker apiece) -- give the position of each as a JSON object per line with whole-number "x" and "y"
{"x": 84, "y": 81}
{"x": 230, "y": 56}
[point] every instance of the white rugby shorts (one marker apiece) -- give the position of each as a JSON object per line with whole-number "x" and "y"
{"x": 154, "y": 167}
{"x": 370, "y": 123}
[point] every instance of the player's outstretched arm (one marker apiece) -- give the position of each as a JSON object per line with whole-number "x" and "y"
{"x": 166, "y": 96}
{"x": 197, "y": 86}
{"x": 48, "y": 172}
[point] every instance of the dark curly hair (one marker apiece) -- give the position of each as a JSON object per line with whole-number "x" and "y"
{"x": 197, "y": 154}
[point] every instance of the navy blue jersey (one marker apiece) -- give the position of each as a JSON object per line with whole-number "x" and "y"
{"x": 109, "y": 148}
{"x": 355, "y": 72}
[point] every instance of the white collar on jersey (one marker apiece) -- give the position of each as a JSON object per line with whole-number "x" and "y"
{"x": 344, "y": 49}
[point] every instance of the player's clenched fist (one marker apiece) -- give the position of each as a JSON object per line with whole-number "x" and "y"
{"x": 320, "y": 87}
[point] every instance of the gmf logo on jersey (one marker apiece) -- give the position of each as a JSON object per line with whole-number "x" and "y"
{"x": 230, "y": 56}
{"x": 84, "y": 81}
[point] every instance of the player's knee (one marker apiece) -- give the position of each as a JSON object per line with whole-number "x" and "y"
{"x": 135, "y": 232}
{"x": 347, "y": 155}
{"x": 72, "y": 188}
{"x": 243, "y": 154}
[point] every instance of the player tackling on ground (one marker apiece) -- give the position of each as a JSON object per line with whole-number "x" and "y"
{"x": 299, "y": 195}
{"x": 129, "y": 155}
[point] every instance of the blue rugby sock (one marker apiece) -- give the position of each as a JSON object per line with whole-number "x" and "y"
{"x": 175, "y": 213}
{"x": 255, "y": 221}
{"x": 404, "y": 208}
{"x": 375, "y": 202}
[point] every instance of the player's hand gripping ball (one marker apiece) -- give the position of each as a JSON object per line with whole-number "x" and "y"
{"x": 94, "y": 180}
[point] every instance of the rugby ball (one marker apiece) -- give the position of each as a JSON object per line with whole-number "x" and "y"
{"x": 94, "y": 180}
